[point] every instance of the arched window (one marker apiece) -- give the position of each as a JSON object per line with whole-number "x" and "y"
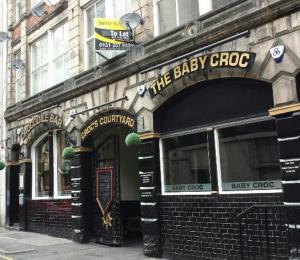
{"x": 50, "y": 172}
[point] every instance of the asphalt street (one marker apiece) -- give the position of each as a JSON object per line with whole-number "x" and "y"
{"x": 17, "y": 245}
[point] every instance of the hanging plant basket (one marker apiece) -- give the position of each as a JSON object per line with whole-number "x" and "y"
{"x": 132, "y": 140}
{"x": 68, "y": 153}
{"x": 2, "y": 165}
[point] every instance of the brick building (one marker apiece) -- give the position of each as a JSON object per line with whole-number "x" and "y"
{"x": 211, "y": 87}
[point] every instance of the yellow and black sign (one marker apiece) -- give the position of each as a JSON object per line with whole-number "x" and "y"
{"x": 228, "y": 59}
{"x": 114, "y": 118}
{"x": 111, "y": 35}
{"x": 51, "y": 121}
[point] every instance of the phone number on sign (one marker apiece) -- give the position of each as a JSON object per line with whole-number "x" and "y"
{"x": 107, "y": 45}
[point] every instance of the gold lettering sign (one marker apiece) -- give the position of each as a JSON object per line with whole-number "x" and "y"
{"x": 227, "y": 59}
{"x": 51, "y": 119}
{"x": 104, "y": 120}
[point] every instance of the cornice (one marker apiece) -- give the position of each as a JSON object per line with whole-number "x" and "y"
{"x": 138, "y": 58}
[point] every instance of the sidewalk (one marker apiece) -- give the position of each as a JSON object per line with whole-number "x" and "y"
{"x": 17, "y": 245}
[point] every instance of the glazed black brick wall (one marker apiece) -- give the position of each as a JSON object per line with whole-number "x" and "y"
{"x": 51, "y": 217}
{"x": 203, "y": 227}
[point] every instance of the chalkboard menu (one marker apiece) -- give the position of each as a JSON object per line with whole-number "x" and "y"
{"x": 104, "y": 188}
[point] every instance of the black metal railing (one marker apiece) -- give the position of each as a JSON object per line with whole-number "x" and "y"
{"x": 264, "y": 232}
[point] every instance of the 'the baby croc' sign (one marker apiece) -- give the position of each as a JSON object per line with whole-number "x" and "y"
{"x": 228, "y": 59}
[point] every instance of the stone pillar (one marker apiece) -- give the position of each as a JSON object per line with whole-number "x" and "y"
{"x": 82, "y": 195}
{"x": 284, "y": 90}
{"x": 288, "y": 128}
{"x": 149, "y": 172}
{"x": 25, "y": 179}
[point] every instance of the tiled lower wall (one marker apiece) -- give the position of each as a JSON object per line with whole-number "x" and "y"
{"x": 204, "y": 227}
{"x": 52, "y": 217}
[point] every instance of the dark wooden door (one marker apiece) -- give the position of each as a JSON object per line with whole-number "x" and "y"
{"x": 108, "y": 222}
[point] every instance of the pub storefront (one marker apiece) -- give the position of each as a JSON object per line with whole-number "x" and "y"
{"x": 213, "y": 172}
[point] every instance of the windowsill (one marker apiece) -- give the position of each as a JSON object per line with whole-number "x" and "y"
{"x": 250, "y": 191}
{"x": 52, "y": 198}
{"x": 188, "y": 193}
{"x": 221, "y": 192}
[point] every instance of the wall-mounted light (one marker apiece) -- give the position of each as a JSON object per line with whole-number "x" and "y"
{"x": 3, "y": 36}
{"x": 17, "y": 64}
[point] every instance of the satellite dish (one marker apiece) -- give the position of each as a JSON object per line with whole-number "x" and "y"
{"x": 38, "y": 10}
{"x": 3, "y": 36}
{"x": 131, "y": 20}
{"x": 17, "y": 63}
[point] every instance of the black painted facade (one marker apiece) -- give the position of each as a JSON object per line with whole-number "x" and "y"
{"x": 205, "y": 227}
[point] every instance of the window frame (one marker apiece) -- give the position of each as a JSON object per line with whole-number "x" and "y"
{"x": 162, "y": 168}
{"x": 18, "y": 78}
{"x": 156, "y": 15}
{"x": 55, "y": 171}
{"x": 109, "y": 12}
{"x": 218, "y": 157}
{"x": 18, "y": 10}
{"x": 49, "y": 35}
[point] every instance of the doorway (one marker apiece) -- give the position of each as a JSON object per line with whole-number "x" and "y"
{"x": 116, "y": 189}
{"x": 12, "y": 190}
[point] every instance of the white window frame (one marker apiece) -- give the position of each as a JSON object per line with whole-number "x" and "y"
{"x": 33, "y": 3}
{"x": 41, "y": 66}
{"x": 18, "y": 76}
{"x": 55, "y": 172}
{"x": 208, "y": 5}
{"x": 218, "y": 158}
{"x": 162, "y": 168}
{"x": 18, "y": 10}
{"x": 50, "y": 58}
{"x": 109, "y": 13}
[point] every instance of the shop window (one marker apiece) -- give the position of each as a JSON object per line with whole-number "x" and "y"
{"x": 186, "y": 164}
{"x": 113, "y": 9}
{"x": 248, "y": 157}
{"x": 49, "y": 56}
{"x": 172, "y": 13}
{"x": 51, "y": 174}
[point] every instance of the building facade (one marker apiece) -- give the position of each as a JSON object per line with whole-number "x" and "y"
{"x": 211, "y": 88}
{"x": 3, "y": 73}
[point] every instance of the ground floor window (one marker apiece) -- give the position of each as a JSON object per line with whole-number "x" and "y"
{"x": 240, "y": 157}
{"x": 50, "y": 172}
{"x": 248, "y": 157}
{"x": 186, "y": 167}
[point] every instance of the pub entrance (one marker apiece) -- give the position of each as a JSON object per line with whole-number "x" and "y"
{"x": 116, "y": 188}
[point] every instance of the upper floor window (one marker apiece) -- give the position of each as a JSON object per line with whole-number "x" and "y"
{"x": 34, "y": 3}
{"x": 18, "y": 9}
{"x": 113, "y": 9}
{"x": 172, "y": 13}
{"x": 49, "y": 56}
{"x": 17, "y": 78}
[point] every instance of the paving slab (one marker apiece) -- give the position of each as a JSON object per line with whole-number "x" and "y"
{"x": 18, "y": 245}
